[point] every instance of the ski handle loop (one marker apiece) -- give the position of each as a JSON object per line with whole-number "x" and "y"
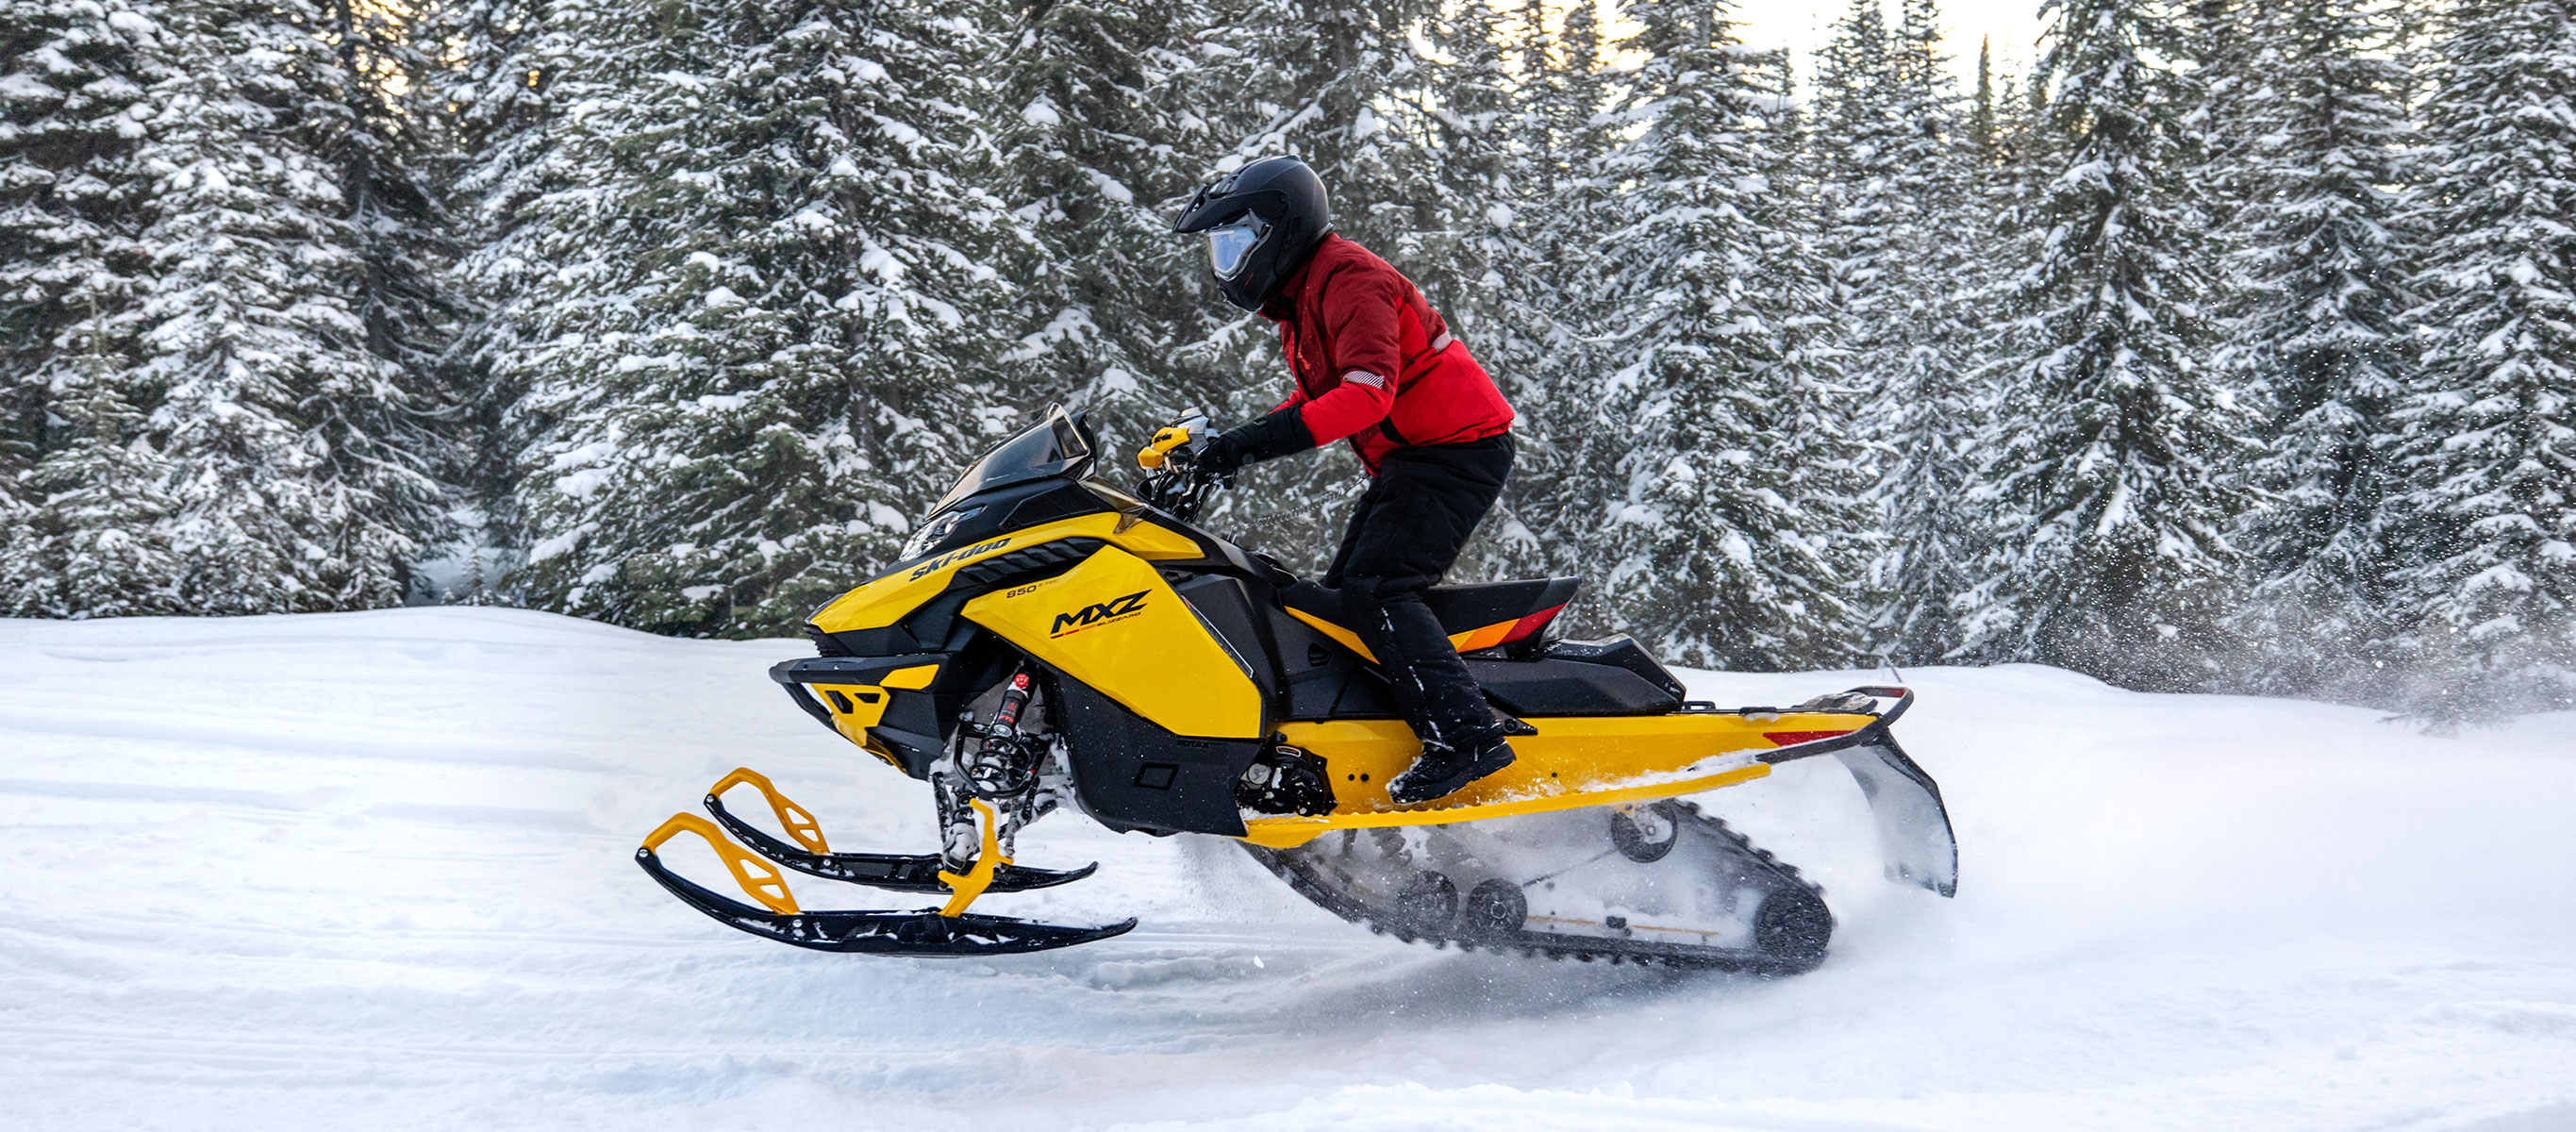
{"x": 1904, "y": 698}
{"x": 799, "y": 823}
{"x": 759, "y": 879}
{"x": 966, "y": 886}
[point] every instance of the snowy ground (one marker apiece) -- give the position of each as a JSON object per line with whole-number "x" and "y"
{"x": 372, "y": 871}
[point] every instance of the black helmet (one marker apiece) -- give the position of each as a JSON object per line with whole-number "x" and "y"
{"x": 1261, "y": 220}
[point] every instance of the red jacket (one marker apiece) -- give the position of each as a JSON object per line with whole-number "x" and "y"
{"x": 1373, "y": 362}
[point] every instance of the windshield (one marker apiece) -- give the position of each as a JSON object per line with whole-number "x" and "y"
{"x": 1059, "y": 446}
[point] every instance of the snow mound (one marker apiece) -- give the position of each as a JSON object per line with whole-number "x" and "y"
{"x": 373, "y": 871}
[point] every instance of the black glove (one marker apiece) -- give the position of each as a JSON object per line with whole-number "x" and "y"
{"x": 1281, "y": 433}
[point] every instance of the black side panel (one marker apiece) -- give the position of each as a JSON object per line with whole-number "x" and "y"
{"x": 1325, "y": 680}
{"x": 1130, "y": 774}
{"x": 1621, "y": 651}
{"x": 1062, "y": 499}
{"x": 1567, "y": 687}
{"x": 1227, "y": 608}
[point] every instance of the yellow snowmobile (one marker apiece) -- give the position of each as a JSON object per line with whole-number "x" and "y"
{"x": 1049, "y": 638}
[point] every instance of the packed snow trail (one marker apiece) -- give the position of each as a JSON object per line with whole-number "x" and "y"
{"x": 373, "y": 871}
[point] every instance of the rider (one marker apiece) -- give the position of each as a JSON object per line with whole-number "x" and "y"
{"x": 1375, "y": 365}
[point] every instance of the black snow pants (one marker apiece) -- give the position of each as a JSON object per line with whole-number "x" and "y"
{"x": 1409, "y": 527}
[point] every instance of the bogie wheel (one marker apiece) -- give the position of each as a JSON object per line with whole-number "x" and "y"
{"x": 1429, "y": 902}
{"x": 1496, "y": 909}
{"x": 1646, "y": 833}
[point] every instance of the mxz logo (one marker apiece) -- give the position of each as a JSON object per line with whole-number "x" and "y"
{"x": 1101, "y": 614}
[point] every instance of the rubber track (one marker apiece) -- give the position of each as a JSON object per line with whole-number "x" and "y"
{"x": 1588, "y": 948}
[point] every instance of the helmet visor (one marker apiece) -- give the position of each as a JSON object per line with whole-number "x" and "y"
{"x": 1230, "y": 244}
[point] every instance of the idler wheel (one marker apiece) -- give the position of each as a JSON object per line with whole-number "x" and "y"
{"x": 1794, "y": 925}
{"x": 1645, "y": 834}
{"x": 1495, "y": 909}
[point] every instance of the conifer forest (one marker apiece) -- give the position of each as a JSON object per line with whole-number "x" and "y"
{"x": 2232, "y": 347}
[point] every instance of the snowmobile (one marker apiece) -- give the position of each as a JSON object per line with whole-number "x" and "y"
{"x": 1051, "y": 640}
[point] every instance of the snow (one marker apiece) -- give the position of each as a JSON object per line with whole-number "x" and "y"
{"x": 372, "y": 870}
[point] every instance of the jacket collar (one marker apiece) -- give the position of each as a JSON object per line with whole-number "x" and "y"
{"x": 1282, "y": 305}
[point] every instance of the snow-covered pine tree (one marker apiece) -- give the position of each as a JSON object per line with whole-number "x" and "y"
{"x": 1860, "y": 181}
{"x": 2485, "y": 593}
{"x": 1901, "y": 231}
{"x": 1983, "y": 129}
{"x": 73, "y": 77}
{"x": 2218, "y": 40}
{"x": 763, "y": 318}
{"x": 285, "y": 499}
{"x": 1721, "y": 551}
{"x": 523, "y": 179}
{"x": 1559, "y": 218}
{"x": 2106, "y": 463}
{"x": 99, "y": 541}
{"x": 1097, "y": 134}
{"x": 389, "y": 146}
{"x": 2317, "y": 339}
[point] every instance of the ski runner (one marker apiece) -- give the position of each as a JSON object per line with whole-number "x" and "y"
{"x": 1375, "y": 365}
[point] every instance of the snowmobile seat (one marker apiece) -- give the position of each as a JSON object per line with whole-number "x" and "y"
{"x": 1517, "y": 617}
{"x": 1465, "y": 609}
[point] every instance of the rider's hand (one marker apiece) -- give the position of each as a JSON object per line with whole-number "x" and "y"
{"x": 1278, "y": 434}
{"x": 1223, "y": 454}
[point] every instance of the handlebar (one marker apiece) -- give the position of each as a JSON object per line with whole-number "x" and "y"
{"x": 1180, "y": 489}
{"x": 1175, "y": 483}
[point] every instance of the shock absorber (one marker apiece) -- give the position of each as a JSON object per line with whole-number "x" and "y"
{"x": 1002, "y": 769}
{"x": 1006, "y": 718}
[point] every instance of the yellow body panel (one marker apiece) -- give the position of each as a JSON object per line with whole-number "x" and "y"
{"x": 867, "y": 708}
{"x": 1114, "y": 624}
{"x": 1572, "y": 762}
{"x": 911, "y": 679}
{"x": 886, "y": 599}
{"x": 1340, "y": 636}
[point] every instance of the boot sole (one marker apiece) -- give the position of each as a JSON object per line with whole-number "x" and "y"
{"x": 1456, "y": 782}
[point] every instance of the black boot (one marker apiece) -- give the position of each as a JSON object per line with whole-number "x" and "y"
{"x": 1445, "y": 769}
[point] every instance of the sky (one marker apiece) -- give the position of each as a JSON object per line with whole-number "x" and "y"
{"x": 1805, "y": 25}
